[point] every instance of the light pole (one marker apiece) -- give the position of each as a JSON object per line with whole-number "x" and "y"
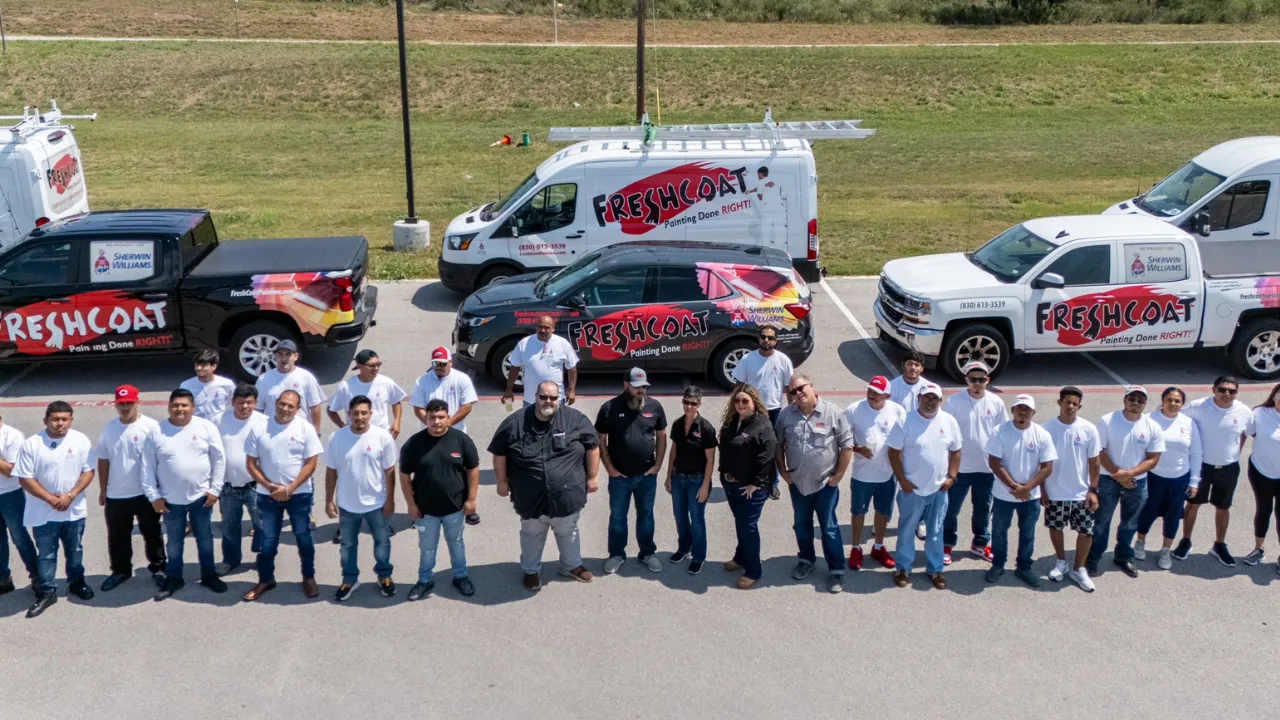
{"x": 639, "y": 60}
{"x": 407, "y": 234}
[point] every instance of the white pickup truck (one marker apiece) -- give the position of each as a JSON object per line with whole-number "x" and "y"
{"x": 1092, "y": 282}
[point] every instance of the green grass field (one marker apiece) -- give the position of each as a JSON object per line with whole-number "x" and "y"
{"x": 304, "y": 139}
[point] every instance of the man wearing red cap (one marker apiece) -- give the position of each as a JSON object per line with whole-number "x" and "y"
{"x": 119, "y": 455}
{"x": 871, "y": 420}
{"x": 454, "y": 387}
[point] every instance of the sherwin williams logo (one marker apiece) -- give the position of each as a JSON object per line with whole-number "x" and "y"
{"x": 647, "y": 203}
{"x": 1137, "y": 268}
{"x": 63, "y": 172}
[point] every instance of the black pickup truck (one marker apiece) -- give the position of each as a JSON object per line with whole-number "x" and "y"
{"x": 144, "y": 282}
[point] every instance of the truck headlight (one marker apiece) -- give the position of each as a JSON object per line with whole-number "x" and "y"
{"x": 919, "y": 311}
{"x": 477, "y": 321}
{"x": 460, "y": 242}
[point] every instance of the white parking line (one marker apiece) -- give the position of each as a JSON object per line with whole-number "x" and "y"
{"x": 21, "y": 374}
{"x": 1105, "y": 369}
{"x": 871, "y": 343}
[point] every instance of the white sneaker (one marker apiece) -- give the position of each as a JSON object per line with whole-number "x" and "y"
{"x": 1081, "y": 578}
{"x": 1166, "y": 559}
{"x": 1059, "y": 571}
{"x": 1140, "y": 549}
{"x": 922, "y": 531}
{"x": 612, "y": 564}
{"x": 652, "y": 562}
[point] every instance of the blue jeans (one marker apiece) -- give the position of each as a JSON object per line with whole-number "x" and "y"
{"x": 12, "y": 505}
{"x": 272, "y": 513}
{"x": 746, "y": 518}
{"x": 47, "y": 538}
{"x": 691, "y": 516}
{"x": 349, "y": 524}
{"x": 773, "y": 421}
{"x": 1130, "y": 500}
{"x": 912, "y": 509}
{"x": 621, "y": 489}
{"x": 1167, "y": 498}
{"x": 979, "y": 485}
{"x": 230, "y": 505}
{"x": 824, "y": 504}
{"x": 1001, "y": 519}
{"x": 429, "y": 528}
{"x": 175, "y": 531}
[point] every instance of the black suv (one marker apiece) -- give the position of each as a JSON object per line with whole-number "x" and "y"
{"x": 687, "y": 307}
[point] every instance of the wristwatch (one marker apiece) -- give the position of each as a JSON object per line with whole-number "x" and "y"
{"x": 1093, "y": 490}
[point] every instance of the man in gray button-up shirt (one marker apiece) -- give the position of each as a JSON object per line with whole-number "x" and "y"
{"x": 815, "y": 447}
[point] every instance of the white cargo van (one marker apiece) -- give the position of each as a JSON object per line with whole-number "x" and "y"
{"x": 751, "y": 183}
{"x": 1233, "y": 185}
{"x": 41, "y": 178}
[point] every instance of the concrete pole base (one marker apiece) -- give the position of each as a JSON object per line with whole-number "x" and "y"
{"x": 410, "y": 237}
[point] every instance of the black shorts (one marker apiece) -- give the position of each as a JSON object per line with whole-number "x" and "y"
{"x": 1217, "y": 485}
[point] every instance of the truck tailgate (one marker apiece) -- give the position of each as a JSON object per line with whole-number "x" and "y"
{"x": 258, "y": 257}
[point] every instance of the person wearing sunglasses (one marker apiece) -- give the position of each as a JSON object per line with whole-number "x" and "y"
{"x": 1173, "y": 479}
{"x": 1131, "y": 447}
{"x": 815, "y": 447}
{"x": 454, "y": 387}
{"x": 690, "y": 464}
{"x": 768, "y": 371}
{"x": 979, "y": 413}
{"x": 1224, "y": 424}
{"x": 748, "y": 471}
{"x": 1264, "y": 473}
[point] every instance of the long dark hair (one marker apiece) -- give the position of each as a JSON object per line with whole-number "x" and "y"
{"x": 730, "y": 412}
{"x": 1271, "y": 399}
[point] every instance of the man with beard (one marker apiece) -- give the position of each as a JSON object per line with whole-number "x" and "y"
{"x": 546, "y": 458}
{"x": 454, "y": 387}
{"x": 633, "y": 439}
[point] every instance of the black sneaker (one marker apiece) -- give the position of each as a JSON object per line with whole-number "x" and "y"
{"x": 695, "y": 567}
{"x": 7, "y": 585}
{"x": 1127, "y": 567}
{"x": 113, "y": 581}
{"x": 81, "y": 590}
{"x": 171, "y": 586}
{"x": 1183, "y": 549}
{"x": 1253, "y": 558}
{"x": 677, "y": 557}
{"x": 43, "y": 602}
{"x": 214, "y": 583}
{"x": 421, "y": 590}
{"x": 345, "y": 591}
{"x": 466, "y": 588}
{"x": 1219, "y": 550}
{"x": 386, "y": 586}
{"x": 775, "y": 493}
{"x": 473, "y": 519}
{"x": 160, "y": 578}
{"x": 1027, "y": 577}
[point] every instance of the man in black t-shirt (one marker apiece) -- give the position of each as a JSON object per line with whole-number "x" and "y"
{"x": 545, "y": 457}
{"x": 633, "y": 441}
{"x": 439, "y": 476}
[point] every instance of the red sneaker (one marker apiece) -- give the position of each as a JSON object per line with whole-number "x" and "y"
{"x": 855, "y": 558}
{"x": 882, "y": 556}
{"x": 982, "y": 553}
{"x": 946, "y": 555}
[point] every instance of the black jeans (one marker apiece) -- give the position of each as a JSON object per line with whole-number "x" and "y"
{"x": 120, "y": 514}
{"x": 1266, "y": 491}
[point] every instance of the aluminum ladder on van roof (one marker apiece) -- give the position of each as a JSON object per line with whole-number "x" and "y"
{"x": 767, "y": 130}
{"x": 31, "y": 119}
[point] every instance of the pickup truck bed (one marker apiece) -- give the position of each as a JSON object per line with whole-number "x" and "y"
{"x": 1240, "y": 258}
{"x": 254, "y": 257}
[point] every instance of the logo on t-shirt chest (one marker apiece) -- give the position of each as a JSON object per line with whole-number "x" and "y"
{"x": 1142, "y": 438}
{"x": 455, "y": 455}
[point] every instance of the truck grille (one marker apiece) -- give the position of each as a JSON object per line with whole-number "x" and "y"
{"x": 887, "y": 290}
{"x": 890, "y": 313}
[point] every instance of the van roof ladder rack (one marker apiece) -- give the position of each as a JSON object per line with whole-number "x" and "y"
{"x": 766, "y": 130}
{"x": 31, "y": 120}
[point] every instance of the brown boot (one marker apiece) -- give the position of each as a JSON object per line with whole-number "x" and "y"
{"x": 746, "y": 583}
{"x": 258, "y": 591}
{"x": 732, "y": 566}
{"x": 310, "y": 588}
{"x": 580, "y": 573}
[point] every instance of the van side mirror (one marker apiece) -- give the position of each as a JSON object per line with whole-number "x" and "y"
{"x": 514, "y": 222}
{"x": 1200, "y": 224}
{"x": 1049, "y": 280}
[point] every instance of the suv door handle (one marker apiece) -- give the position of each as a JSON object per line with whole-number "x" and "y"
{"x": 155, "y": 295}
{"x": 1100, "y": 298}
{"x": 1261, "y": 233}
{"x": 59, "y": 300}
{"x": 574, "y": 236}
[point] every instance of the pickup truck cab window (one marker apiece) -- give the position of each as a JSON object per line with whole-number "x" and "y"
{"x": 1012, "y": 253}
{"x": 1173, "y": 195}
{"x": 1090, "y": 265}
{"x": 1239, "y": 205}
{"x": 39, "y": 266}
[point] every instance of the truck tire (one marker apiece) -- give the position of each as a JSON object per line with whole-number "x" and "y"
{"x": 251, "y": 351}
{"x": 1256, "y": 349}
{"x": 498, "y": 365}
{"x": 494, "y": 274}
{"x": 978, "y": 341}
{"x": 727, "y": 358}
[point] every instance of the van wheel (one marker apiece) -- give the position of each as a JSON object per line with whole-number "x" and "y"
{"x": 1256, "y": 350}
{"x": 251, "y": 351}
{"x": 978, "y": 341}
{"x": 727, "y": 358}
{"x": 498, "y": 365}
{"x": 494, "y": 274}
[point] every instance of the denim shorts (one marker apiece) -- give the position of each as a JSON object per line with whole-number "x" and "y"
{"x": 863, "y": 493}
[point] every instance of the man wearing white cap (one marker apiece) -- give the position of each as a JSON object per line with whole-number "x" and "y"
{"x": 633, "y": 441}
{"x": 543, "y": 356}
{"x": 454, "y": 387}
{"x": 924, "y": 452}
{"x": 871, "y": 420}
{"x": 1131, "y": 447}
{"x": 1021, "y": 456}
{"x": 979, "y": 414}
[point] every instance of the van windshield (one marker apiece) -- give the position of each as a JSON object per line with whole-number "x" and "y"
{"x": 1179, "y": 191}
{"x": 494, "y": 210}
{"x": 1012, "y": 253}
{"x": 558, "y": 282}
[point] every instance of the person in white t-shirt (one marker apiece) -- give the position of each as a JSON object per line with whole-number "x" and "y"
{"x": 184, "y": 468}
{"x": 211, "y": 391}
{"x": 543, "y": 356}
{"x": 361, "y": 473}
{"x": 871, "y": 420}
{"x": 1224, "y": 424}
{"x": 1174, "y": 478}
{"x": 767, "y": 370}
{"x": 1021, "y": 455}
{"x": 281, "y": 456}
{"x": 905, "y": 389}
{"x": 53, "y": 469}
{"x": 13, "y": 503}
{"x": 1264, "y": 473}
{"x": 385, "y": 396}
{"x": 924, "y": 452}
{"x": 239, "y": 492}
{"x": 1131, "y": 446}
{"x": 979, "y": 414}
{"x": 119, "y": 452}
{"x": 286, "y": 375}
{"x": 1070, "y": 494}
{"x": 454, "y": 387}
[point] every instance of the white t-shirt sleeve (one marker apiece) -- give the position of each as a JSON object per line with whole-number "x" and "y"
{"x": 251, "y": 441}
{"x": 995, "y": 444}
{"x": 1048, "y": 451}
{"x": 788, "y": 368}
{"x": 468, "y": 392}
{"x": 312, "y": 446}
{"x": 1157, "y": 437}
{"x": 1103, "y": 427}
{"x": 395, "y": 394}
{"x": 100, "y": 450}
{"x": 1095, "y": 443}
{"x": 217, "y": 459}
{"x": 570, "y": 355}
{"x": 897, "y": 438}
{"x": 313, "y": 392}
{"x": 1196, "y": 456}
{"x": 516, "y": 356}
{"x": 150, "y": 484}
{"x": 390, "y": 456}
{"x": 740, "y": 370}
{"x": 1251, "y": 427}
{"x": 339, "y": 401}
{"x": 25, "y": 467}
{"x": 418, "y": 398}
{"x": 262, "y": 387}
{"x": 956, "y": 441}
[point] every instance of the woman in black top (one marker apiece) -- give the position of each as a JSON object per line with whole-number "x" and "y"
{"x": 747, "y": 461}
{"x": 692, "y": 460}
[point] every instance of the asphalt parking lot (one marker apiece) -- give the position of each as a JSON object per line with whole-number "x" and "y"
{"x": 1189, "y": 642}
